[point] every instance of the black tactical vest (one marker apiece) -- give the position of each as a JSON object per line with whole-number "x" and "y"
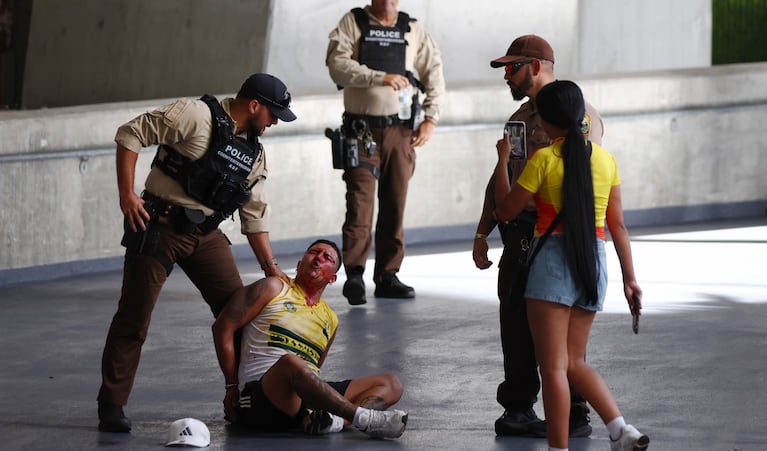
{"x": 218, "y": 179}
{"x": 383, "y": 48}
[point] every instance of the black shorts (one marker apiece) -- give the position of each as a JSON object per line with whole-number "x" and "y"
{"x": 257, "y": 412}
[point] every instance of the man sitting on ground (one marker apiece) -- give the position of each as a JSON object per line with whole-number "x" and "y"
{"x": 287, "y": 330}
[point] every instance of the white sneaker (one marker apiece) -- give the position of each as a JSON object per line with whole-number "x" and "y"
{"x": 630, "y": 440}
{"x": 383, "y": 423}
{"x": 320, "y": 422}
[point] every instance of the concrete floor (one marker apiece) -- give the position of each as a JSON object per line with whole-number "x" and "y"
{"x": 692, "y": 379}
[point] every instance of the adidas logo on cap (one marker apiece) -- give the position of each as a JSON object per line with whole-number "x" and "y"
{"x": 188, "y": 431}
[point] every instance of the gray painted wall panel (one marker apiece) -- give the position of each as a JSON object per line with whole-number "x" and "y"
{"x": 94, "y": 51}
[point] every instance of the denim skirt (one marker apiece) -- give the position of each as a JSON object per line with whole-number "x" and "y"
{"x": 550, "y": 278}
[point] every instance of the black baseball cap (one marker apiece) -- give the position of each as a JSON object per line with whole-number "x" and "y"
{"x": 269, "y": 91}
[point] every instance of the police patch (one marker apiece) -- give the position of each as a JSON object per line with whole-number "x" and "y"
{"x": 586, "y": 125}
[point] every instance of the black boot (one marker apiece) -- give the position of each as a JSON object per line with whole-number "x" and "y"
{"x": 112, "y": 418}
{"x": 390, "y": 287}
{"x": 579, "y": 419}
{"x": 354, "y": 288}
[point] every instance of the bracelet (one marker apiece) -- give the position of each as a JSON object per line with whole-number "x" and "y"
{"x": 228, "y": 386}
{"x": 480, "y": 236}
{"x": 268, "y": 263}
{"x": 430, "y": 119}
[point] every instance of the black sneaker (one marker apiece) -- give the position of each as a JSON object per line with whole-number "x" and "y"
{"x": 390, "y": 287}
{"x": 320, "y": 422}
{"x": 579, "y": 420}
{"x": 517, "y": 423}
{"x": 354, "y": 287}
{"x": 579, "y": 427}
{"x": 112, "y": 418}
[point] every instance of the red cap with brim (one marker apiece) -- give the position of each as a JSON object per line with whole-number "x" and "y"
{"x": 527, "y": 46}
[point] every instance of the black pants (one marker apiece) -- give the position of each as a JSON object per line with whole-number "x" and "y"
{"x": 255, "y": 411}
{"x": 519, "y": 389}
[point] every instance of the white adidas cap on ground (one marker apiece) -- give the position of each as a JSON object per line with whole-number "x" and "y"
{"x": 188, "y": 431}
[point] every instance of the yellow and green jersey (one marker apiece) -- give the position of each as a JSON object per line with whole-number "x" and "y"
{"x": 286, "y": 325}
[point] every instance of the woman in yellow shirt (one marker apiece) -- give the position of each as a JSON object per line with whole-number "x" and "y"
{"x": 579, "y": 181}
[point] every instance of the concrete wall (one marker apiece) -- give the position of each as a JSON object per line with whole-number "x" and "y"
{"x": 469, "y": 34}
{"x": 689, "y": 143}
{"x": 588, "y": 36}
{"x": 94, "y": 51}
{"x": 619, "y": 36}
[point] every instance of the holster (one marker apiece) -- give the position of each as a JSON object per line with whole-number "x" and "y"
{"x": 186, "y": 220}
{"x": 415, "y": 113}
{"x": 144, "y": 242}
{"x": 336, "y": 138}
{"x": 183, "y": 219}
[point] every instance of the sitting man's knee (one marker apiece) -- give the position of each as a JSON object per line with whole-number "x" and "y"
{"x": 395, "y": 386}
{"x": 290, "y": 361}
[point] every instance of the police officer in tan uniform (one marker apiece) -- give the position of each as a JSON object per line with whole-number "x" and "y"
{"x": 375, "y": 54}
{"x": 209, "y": 164}
{"x": 529, "y": 65}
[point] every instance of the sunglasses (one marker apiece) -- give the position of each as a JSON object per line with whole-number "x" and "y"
{"x": 281, "y": 105}
{"x": 512, "y": 68}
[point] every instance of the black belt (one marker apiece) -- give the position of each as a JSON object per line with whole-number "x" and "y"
{"x": 161, "y": 207}
{"x": 374, "y": 121}
{"x": 186, "y": 220}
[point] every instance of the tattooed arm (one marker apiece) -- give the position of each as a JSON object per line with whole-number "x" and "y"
{"x": 244, "y": 305}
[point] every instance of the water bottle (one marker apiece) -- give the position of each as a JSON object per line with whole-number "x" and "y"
{"x": 405, "y": 103}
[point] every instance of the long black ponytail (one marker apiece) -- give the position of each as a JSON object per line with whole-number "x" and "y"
{"x": 561, "y": 104}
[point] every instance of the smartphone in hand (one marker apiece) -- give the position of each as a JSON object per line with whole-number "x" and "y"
{"x": 635, "y": 308}
{"x": 516, "y": 132}
{"x": 635, "y": 323}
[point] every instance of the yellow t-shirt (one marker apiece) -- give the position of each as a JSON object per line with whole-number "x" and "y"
{"x": 286, "y": 325}
{"x": 543, "y": 175}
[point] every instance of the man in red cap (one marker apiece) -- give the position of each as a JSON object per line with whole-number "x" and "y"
{"x": 529, "y": 66}
{"x": 209, "y": 164}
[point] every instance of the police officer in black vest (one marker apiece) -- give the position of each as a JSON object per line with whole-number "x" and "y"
{"x": 209, "y": 164}
{"x": 385, "y": 62}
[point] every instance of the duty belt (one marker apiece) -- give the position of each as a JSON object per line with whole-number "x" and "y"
{"x": 160, "y": 207}
{"x": 374, "y": 121}
{"x": 184, "y": 219}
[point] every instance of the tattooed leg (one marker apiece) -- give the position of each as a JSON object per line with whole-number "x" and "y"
{"x": 379, "y": 391}
{"x": 316, "y": 392}
{"x": 289, "y": 381}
